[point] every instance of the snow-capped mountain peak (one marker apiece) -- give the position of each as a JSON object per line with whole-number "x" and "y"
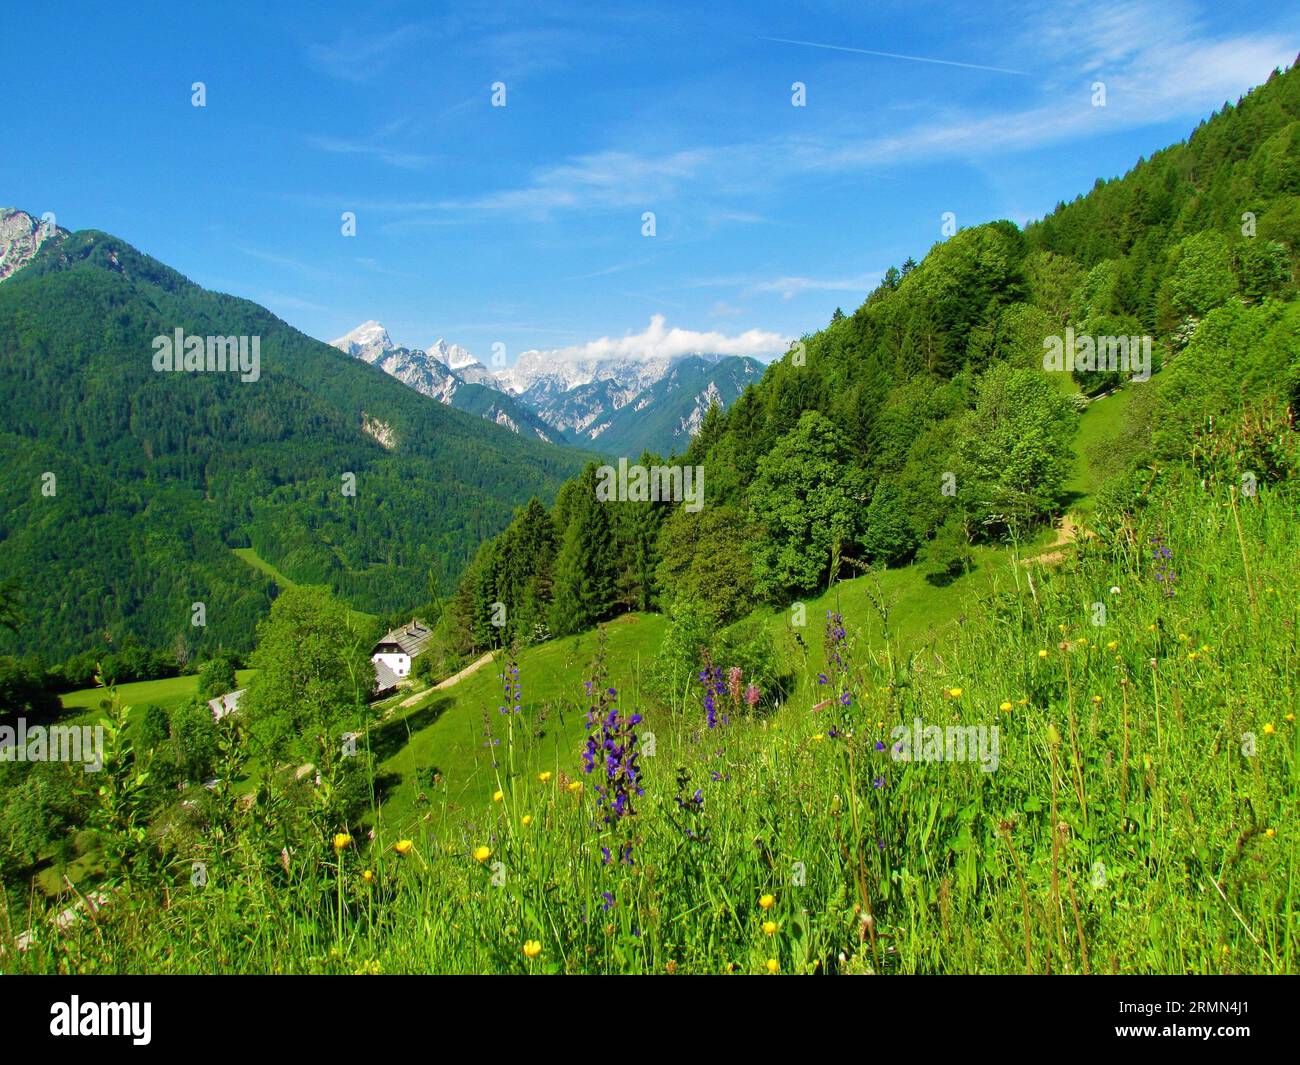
{"x": 368, "y": 342}
{"x": 452, "y": 356}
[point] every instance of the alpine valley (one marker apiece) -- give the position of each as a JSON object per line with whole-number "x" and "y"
{"x": 618, "y": 405}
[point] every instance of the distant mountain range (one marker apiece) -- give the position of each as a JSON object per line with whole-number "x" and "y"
{"x": 616, "y": 406}
{"x": 449, "y": 374}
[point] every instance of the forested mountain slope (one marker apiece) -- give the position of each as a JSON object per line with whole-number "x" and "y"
{"x": 927, "y": 422}
{"x": 123, "y": 489}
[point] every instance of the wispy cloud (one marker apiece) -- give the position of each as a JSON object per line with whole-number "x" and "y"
{"x": 1147, "y": 80}
{"x": 358, "y": 56}
{"x": 384, "y": 153}
{"x": 789, "y": 287}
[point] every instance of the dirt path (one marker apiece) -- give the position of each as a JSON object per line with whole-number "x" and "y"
{"x": 1066, "y": 533}
{"x": 455, "y": 678}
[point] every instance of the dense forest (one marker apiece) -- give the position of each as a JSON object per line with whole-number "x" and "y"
{"x": 123, "y": 490}
{"x": 923, "y": 423}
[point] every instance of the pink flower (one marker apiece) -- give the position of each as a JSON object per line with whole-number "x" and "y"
{"x": 733, "y": 682}
{"x": 751, "y": 695}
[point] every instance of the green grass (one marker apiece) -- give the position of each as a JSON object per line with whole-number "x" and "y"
{"x": 1100, "y": 421}
{"x": 260, "y": 564}
{"x": 1142, "y": 816}
{"x": 167, "y": 693}
{"x": 1125, "y": 829}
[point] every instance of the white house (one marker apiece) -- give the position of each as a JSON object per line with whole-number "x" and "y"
{"x": 392, "y": 655}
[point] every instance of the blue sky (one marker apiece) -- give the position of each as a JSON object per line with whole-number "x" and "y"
{"x": 522, "y": 225}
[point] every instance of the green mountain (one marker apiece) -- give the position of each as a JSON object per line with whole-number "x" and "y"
{"x": 927, "y": 424}
{"x": 124, "y": 489}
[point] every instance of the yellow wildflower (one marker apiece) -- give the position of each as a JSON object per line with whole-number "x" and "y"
{"x": 773, "y": 966}
{"x": 766, "y": 902}
{"x": 341, "y": 841}
{"x": 769, "y": 927}
{"x": 403, "y": 846}
{"x": 482, "y": 854}
{"x": 532, "y": 948}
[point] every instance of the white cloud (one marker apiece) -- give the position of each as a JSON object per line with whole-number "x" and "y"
{"x": 659, "y": 341}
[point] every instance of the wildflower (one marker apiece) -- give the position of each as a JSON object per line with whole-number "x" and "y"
{"x": 575, "y": 786}
{"x": 1269, "y": 729}
{"x": 734, "y": 675}
{"x": 1270, "y": 832}
{"x": 1042, "y": 654}
{"x": 1006, "y": 706}
{"x": 482, "y": 854}
{"x": 766, "y": 902}
{"x": 498, "y": 795}
{"x": 403, "y": 846}
{"x": 532, "y": 948}
{"x": 613, "y": 746}
{"x": 752, "y": 695}
{"x": 526, "y": 820}
{"x": 1112, "y": 645}
{"x": 1097, "y": 699}
{"x": 544, "y": 776}
{"x": 773, "y": 966}
{"x": 1114, "y": 590}
{"x": 340, "y": 841}
{"x": 818, "y": 737}
{"x": 955, "y": 693}
{"x": 714, "y": 688}
{"x": 1289, "y": 717}
{"x": 769, "y": 928}
{"x": 368, "y": 875}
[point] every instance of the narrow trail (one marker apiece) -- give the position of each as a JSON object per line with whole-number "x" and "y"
{"x": 1066, "y": 533}
{"x": 455, "y": 678}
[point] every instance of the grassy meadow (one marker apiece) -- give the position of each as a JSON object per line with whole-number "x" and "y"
{"x": 1141, "y": 817}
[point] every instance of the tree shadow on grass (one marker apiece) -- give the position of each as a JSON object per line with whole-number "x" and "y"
{"x": 391, "y": 736}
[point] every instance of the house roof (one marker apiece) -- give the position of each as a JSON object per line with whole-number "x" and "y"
{"x": 412, "y": 638}
{"x": 385, "y": 678}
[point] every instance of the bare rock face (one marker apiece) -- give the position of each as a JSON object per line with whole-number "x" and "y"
{"x": 21, "y": 237}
